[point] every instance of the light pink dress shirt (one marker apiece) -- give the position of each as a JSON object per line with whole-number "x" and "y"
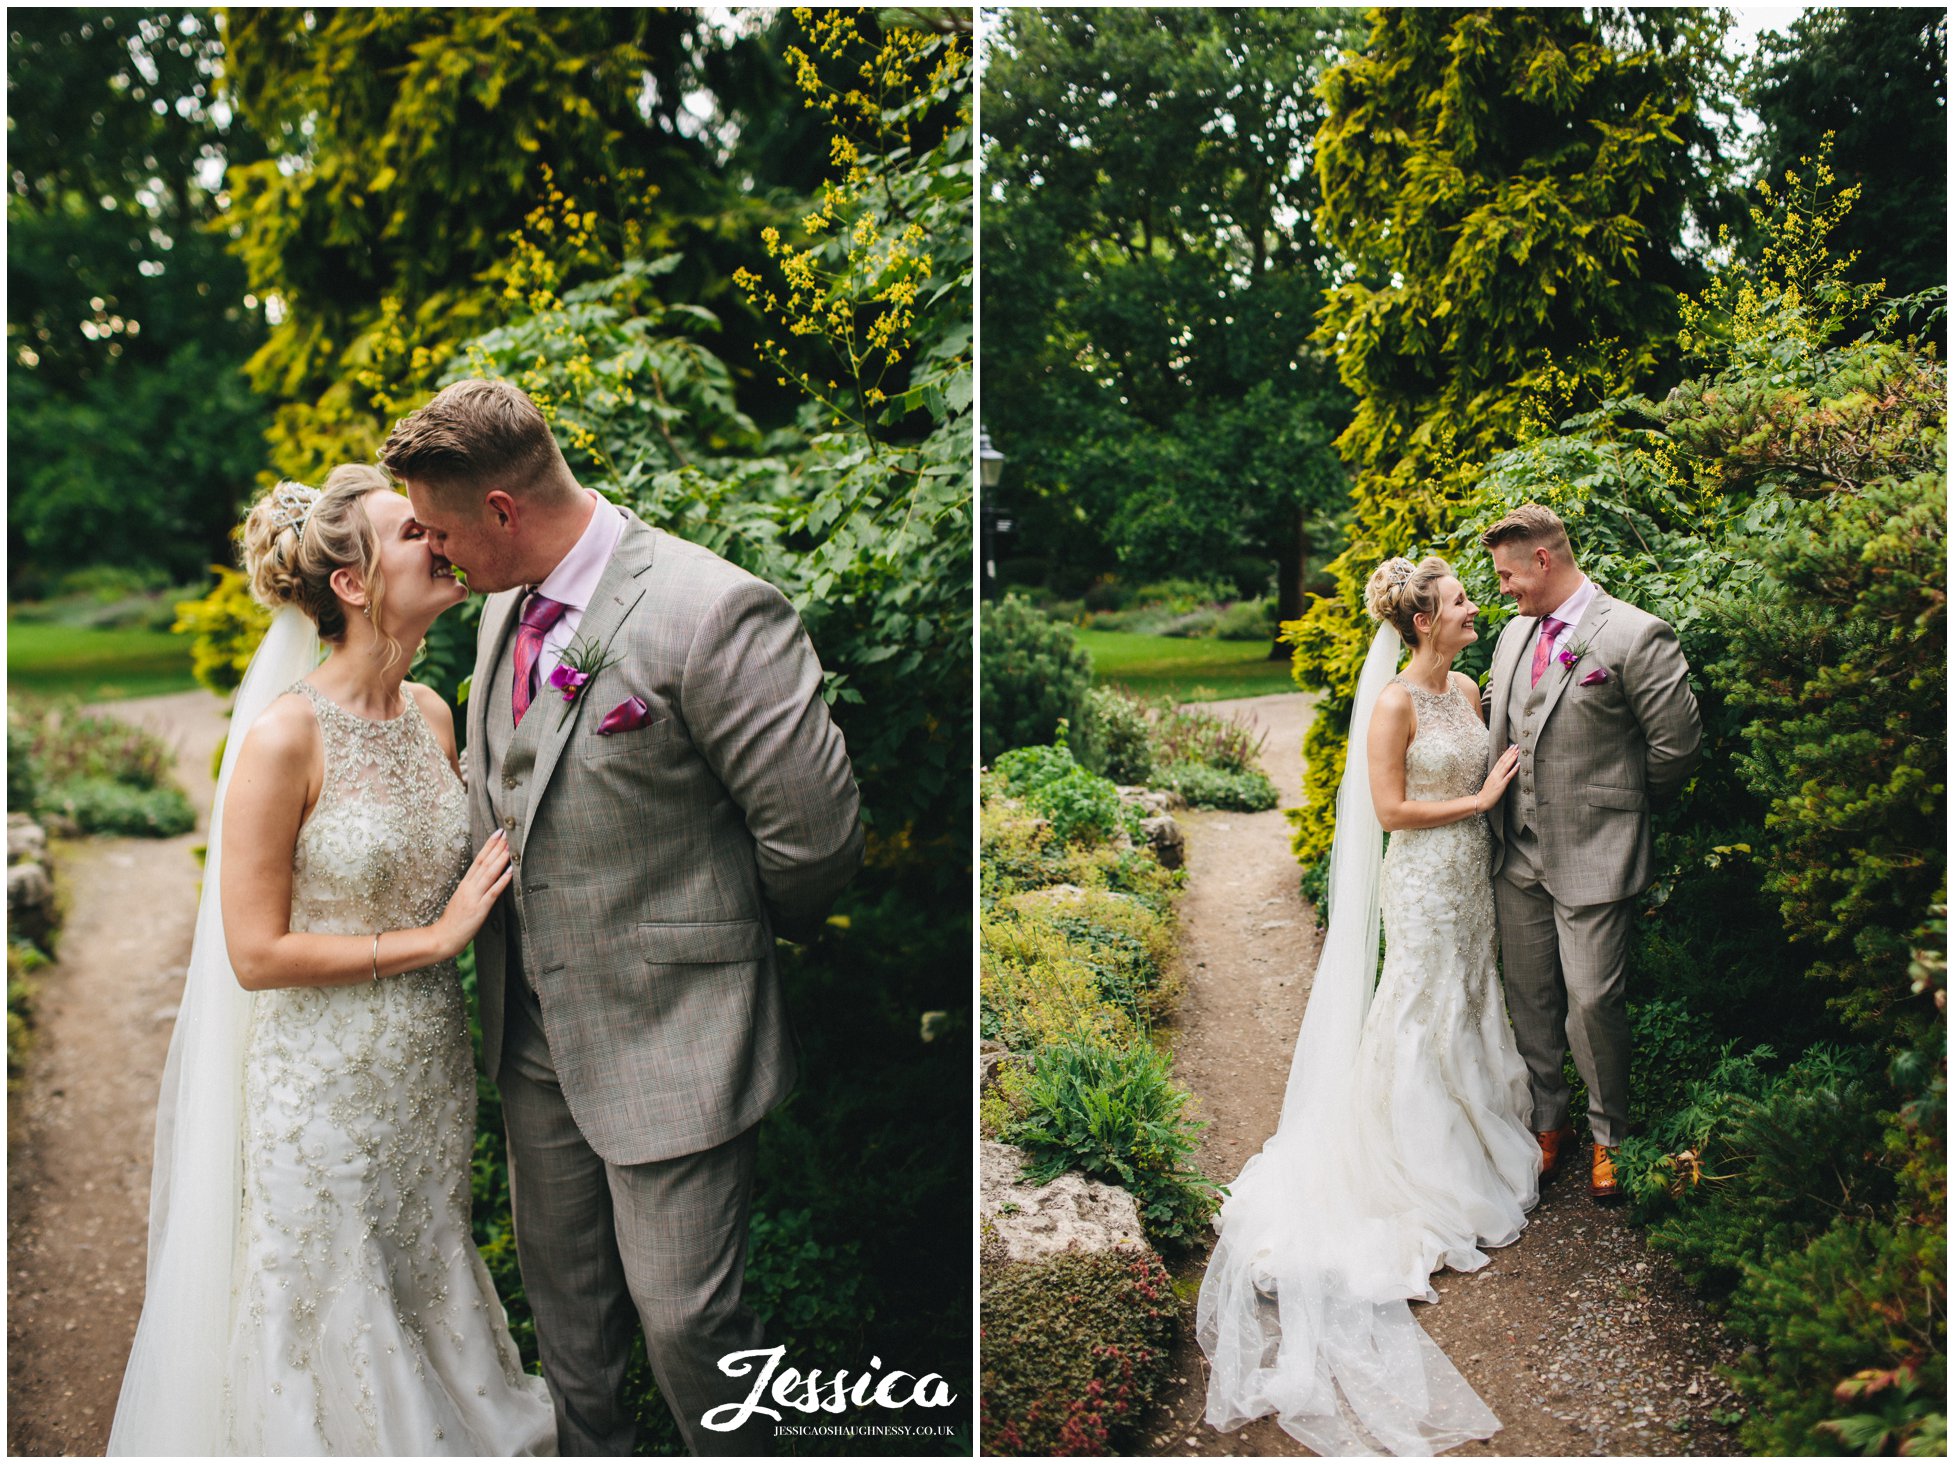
{"x": 573, "y": 582}
{"x": 1569, "y": 614}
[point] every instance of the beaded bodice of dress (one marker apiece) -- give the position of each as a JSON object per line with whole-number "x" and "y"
{"x": 1446, "y": 759}
{"x": 1447, "y": 756}
{"x": 1439, "y": 875}
{"x": 387, "y": 841}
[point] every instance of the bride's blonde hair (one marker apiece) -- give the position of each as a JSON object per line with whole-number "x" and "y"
{"x": 1399, "y": 591}
{"x": 295, "y": 537}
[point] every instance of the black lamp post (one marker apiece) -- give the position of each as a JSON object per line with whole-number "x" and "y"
{"x": 992, "y": 524}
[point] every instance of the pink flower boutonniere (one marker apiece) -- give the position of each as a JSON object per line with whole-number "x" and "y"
{"x": 1571, "y": 657}
{"x": 583, "y": 661}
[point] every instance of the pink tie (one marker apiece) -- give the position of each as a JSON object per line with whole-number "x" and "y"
{"x": 1549, "y": 628}
{"x": 538, "y": 615}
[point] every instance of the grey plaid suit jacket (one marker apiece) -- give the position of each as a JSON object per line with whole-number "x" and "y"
{"x": 1593, "y": 758}
{"x": 654, "y": 866}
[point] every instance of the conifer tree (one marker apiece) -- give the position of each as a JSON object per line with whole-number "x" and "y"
{"x": 1510, "y": 191}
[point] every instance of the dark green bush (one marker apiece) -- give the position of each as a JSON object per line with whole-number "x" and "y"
{"x": 1083, "y": 807}
{"x": 1781, "y": 1154}
{"x": 1858, "y": 1299}
{"x": 23, "y": 777}
{"x": 1073, "y": 1350}
{"x": 1247, "y": 620}
{"x": 1117, "y": 1115}
{"x": 1115, "y": 736}
{"x": 1183, "y": 595}
{"x": 103, "y": 806}
{"x": 1212, "y": 787}
{"x": 809, "y": 1296}
{"x": 1033, "y": 675}
{"x": 1023, "y": 771}
{"x": 1839, "y": 661}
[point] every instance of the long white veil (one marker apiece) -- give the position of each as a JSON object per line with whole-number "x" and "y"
{"x": 173, "y": 1389}
{"x": 1301, "y": 1312}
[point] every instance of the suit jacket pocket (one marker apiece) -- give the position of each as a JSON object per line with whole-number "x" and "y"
{"x": 710, "y": 942}
{"x": 1603, "y": 795}
{"x": 593, "y": 748}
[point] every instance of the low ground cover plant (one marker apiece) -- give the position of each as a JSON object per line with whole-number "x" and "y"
{"x": 1077, "y": 941}
{"x": 106, "y": 775}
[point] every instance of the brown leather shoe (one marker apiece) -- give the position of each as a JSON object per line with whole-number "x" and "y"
{"x": 1603, "y": 1185}
{"x": 1551, "y": 1144}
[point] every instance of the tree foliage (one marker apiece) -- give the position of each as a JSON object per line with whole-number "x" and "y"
{"x": 1509, "y": 190}
{"x": 1875, "y": 80}
{"x": 132, "y": 437}
{"x": 405, "y": 146}
{"x": 1152, "y": 274}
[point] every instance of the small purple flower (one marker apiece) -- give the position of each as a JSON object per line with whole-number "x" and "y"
{"x": 569, "y": 680}
{"x": 1568, "y": 658}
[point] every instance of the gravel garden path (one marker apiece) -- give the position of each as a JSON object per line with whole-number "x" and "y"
{"x": 82, "y": 1123}
{"x": 1579, "y": 1339}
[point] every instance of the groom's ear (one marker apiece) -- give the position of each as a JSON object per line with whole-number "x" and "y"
{"x": 504, "y": 507}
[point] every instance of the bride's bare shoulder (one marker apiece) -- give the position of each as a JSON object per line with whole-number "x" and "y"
{"x": 1395, "y": 715}
{"x": 287, "y": 726}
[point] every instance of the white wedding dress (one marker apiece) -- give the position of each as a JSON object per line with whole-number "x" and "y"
{"x": 366, "y": 1322}
{"x": 354, "y": 1315}
{"x": 1404, "y": 1144}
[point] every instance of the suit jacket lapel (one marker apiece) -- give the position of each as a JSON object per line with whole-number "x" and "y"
{"x": 1583, "y": 635}
{"x": 616, "y": 596}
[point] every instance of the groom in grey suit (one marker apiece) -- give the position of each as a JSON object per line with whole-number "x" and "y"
{"x": 1595, "y": 693}
{"x": 667, "y": 815}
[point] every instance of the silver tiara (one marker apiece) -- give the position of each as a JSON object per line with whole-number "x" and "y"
{"x": 292, "y": 505}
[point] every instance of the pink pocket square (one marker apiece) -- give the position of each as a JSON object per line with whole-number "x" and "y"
{"x": 1595, "y": 677}
{"x": 627, "y": 716}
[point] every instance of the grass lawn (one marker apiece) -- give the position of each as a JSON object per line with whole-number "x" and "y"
{"x": 1186, "y": 670}
{"x": 95, "y": 665}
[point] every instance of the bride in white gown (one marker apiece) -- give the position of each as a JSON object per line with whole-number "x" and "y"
{"x": 313, "y": 1286}
{"x": 1403, "y": 1144}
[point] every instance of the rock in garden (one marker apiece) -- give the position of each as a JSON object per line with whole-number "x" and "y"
{"x": 30, "y": 902}
{"x": 1031, "y": 1222}
{"x": 1164, "y": 837}
{"x": 26, "y": 840}
{"x": 1154, "y": 800}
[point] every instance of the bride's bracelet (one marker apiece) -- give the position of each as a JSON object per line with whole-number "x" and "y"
{"x": 376, "y": 955}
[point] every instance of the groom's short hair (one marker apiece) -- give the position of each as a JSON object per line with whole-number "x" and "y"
{"x": 1530, "y": 526}
{"x": 476, "y": 435}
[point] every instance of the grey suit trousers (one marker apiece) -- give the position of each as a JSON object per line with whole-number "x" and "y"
{"x": 1566, "y": 973}
{"x": 669, "y": 1235}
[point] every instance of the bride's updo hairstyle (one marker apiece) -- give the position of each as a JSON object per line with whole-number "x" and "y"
{"x": 1399, "y": 590}
{"x": 295, "y": 537}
